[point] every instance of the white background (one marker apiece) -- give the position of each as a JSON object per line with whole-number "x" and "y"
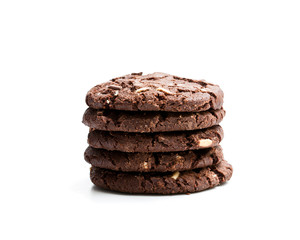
{"x": 53, "y": 52}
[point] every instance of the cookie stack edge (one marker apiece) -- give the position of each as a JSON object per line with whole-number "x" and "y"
{"x": 156, "y": 134}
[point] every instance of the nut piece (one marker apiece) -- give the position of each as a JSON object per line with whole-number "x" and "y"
{"x": 204, "y": 90}
{"x": 146, "y": 165}
{"x": 144, "y": 89}
{"x": 205, "y": 142}
{"x": 114, "y": 87}
{"x": 175, "y": 175}
{"x": 164, "y": 90}
{"x": 215, "y": 177}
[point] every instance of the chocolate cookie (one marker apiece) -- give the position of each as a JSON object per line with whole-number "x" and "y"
{"x": 155, "y": 92}
{"x": 162, "y": 183}
{"x": 156, "y": 142}
{"x": 125, "y": 121}
{"x": 153, "y": 162}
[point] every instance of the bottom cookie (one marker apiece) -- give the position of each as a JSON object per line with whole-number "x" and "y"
{"x": 162, "y": 183}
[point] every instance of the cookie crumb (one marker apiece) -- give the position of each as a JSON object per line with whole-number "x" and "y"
{"x": 139, "y": 73}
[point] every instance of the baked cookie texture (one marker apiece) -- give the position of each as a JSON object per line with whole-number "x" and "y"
{"x": 146, "y": 122}
{"x": 156, "y": 142}
{"x": 159, "y": 183}
{"x": 155, "y": 92}
{"x": 153, "y": 162}
{"x": 155, "y": 134}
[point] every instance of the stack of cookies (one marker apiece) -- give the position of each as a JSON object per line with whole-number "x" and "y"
{"x": 155, "y": 133}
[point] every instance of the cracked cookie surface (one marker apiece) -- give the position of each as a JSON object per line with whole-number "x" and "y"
{"x": 162, "y": 183}
{"x": 155, "y": 92}
{"x": 156, "y": 142}
{"x": 153, "y": 162}
{"x": 126, "y": 121}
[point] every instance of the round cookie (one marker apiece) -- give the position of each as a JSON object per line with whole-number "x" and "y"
{"x": 162, "y": 183}
{"x": 156, "y": 142}
{"x": 155, "y": 92}
{"x": 153, "y": 162}
{"x": 125, "y": 121}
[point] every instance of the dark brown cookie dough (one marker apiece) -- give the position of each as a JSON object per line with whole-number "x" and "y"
{"x": 153, "y": 162}
{"x": 155, "y": 92}
{"x": 162, "y": 183}
{"x": 156, "y": 142}
{"x": 126, "y": 121}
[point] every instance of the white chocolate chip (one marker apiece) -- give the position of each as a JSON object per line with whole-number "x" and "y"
{"x": 175, "y": 175}
{"x": 205, "y": 142}
{"x": 144, "y": 89}
{"x": 163, "y": 90}
{"x": 116, "y": 93}
{"x": 107, "y": 101}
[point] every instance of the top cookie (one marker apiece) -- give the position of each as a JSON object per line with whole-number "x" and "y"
{"x": 155, "y": 92}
